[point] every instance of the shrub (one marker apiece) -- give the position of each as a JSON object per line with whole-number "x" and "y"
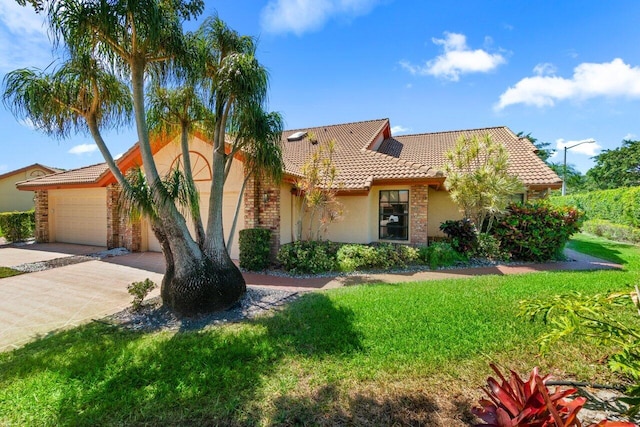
{"x": 309, "y": 256}
{"x": 17, "y": 226}
{"x": 255, "y": 246}
{"x": 489, "y": 247}
{"x": 620, "y": 205}
{"x": 462, "y": 233}
{"x": 440, "y": 254}
{"x": 611, "y": 231}
{"x": 139, "y": 291}
{"x": 537, "y": 231}
{"x": 353, "y": 257}
{"x": 598, "y": 318}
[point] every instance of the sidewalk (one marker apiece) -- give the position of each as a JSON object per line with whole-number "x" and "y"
{"x": 577, "y": 262}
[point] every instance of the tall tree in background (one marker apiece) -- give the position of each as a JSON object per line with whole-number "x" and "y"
{"x": 110, "y": 40}
{"x": 544, "y": 152}
{"x": 617, "y": 168}
{"x": 478, "y": 179}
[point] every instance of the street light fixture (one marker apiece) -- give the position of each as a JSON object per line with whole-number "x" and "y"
{"x": 564, "y": 168}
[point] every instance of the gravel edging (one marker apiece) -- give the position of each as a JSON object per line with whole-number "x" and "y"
{"x": 32, "y": 267}
{"x": 153, "y": 316}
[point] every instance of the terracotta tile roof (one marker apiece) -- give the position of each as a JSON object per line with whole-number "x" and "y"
{"x": 359, "y": 163}
{"x": 84, "y": 175}
{"x": 429, "y": 149}
{"x": 357, "y": 166}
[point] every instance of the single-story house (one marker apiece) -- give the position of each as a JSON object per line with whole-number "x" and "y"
{"x": 392, "y": 188}
{"x": 12, "y": 200}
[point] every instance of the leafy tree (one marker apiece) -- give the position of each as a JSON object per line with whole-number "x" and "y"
{"x": 576, "y": 182}
{"x": 617, "y": 168}
{"x": 478, "y": 179}
{"x": 319, "y": 189}
{"x": 114, "y": 47}
{"x": 544, "y": 152}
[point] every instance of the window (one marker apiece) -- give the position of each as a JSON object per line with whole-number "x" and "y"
{"x": 394, "y": 214}
{"x": 517, "y": 198}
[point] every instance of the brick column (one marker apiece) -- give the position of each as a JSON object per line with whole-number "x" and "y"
{"x": 418, "y": 222}
{"x": 262, "y": 209}
{"x": 121, "y": 231}
{"x": 42, "y": 216}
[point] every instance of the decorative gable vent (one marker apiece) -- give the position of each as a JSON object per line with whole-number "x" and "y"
{"x": 297, "y": 136}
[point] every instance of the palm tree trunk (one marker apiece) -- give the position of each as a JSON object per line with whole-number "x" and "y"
{"x": 192, "y": 283}
{"x": 194, "y": 207}
{"x": 237, "y": 212}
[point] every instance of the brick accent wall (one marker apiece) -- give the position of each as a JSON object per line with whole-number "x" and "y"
{"x": 42, "y": 216}
{"x": 418, "y": 213}
{"x": 262, "y": 209}
{"x": 121, "y": 231}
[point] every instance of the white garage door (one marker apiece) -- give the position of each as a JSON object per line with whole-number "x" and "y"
{"x": 79, "y": 216}
{"x": 229, "y": 207}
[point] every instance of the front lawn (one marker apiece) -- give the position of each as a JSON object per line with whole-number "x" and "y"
{"x": 372, "y": 354}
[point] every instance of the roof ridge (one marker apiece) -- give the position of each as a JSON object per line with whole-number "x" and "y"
{"x": 454, "y": 131}
{"x": 336, "y": 125}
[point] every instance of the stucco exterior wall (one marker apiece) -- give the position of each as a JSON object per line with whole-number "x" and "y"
{"x": 11, "y": 199}
{"x": 200, "y": 164}
{"x": 441, "y": 208}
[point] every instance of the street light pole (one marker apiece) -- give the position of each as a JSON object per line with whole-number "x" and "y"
{"x": 564, "y": 167}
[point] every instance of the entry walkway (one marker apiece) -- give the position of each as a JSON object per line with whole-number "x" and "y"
{"x": 37, "y": 303}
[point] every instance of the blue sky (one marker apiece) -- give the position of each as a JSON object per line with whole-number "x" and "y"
{"x": 563, "y": 71}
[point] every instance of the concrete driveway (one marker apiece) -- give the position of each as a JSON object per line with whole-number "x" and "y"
{"x": 34, "y": 304}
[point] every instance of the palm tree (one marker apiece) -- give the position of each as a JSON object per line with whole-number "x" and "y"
{"x": 133, "y": 38}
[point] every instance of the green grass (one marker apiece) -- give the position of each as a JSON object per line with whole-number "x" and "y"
{"x": 8, "y": 272}
{"x": 382, "y": 353}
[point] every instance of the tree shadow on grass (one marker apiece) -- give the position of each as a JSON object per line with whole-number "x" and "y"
{"x": 326, "y": 407}
{"x": 599, "y": 250}
{"x": 100, "y": 375}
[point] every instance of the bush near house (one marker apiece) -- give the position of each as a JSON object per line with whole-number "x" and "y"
{"x": 620, "y": 206}
{"x": 537, "y": 231}
{"x": 17, "y": 226}
{"x": 254, "y": 248}
{"x": 309, "y": 256}
{"x": 322, "y": 256}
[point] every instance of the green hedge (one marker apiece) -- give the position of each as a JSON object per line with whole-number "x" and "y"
{"x": 17, "y": 226}
{"x": 611, "y": 231}
{"x": 254, "y": 248}
{"x": 620, "y": 205}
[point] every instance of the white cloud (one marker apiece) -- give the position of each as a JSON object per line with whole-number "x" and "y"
{"x": 300, "y": 16}
{"x": 3, "y": 168}
{"x": 629, "y": 137}
{"x": 589, "y": 80}
{"x": 23, "y": 38}
{"x": 83, "y": 149}
{"x": 545, "y": 69}
{"x": 457, "y": 59}
{"x": 408, "y": 86}
{"x": 586, "y": 148}
{"x": 399, "y": 129}
{"x": 117, "y": 156}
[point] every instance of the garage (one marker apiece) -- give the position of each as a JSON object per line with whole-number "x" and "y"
{"x": 78, "y": 216}
{"x": 229, "y": 207}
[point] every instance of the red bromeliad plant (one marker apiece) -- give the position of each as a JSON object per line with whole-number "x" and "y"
{"x": 516, "y": 403}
